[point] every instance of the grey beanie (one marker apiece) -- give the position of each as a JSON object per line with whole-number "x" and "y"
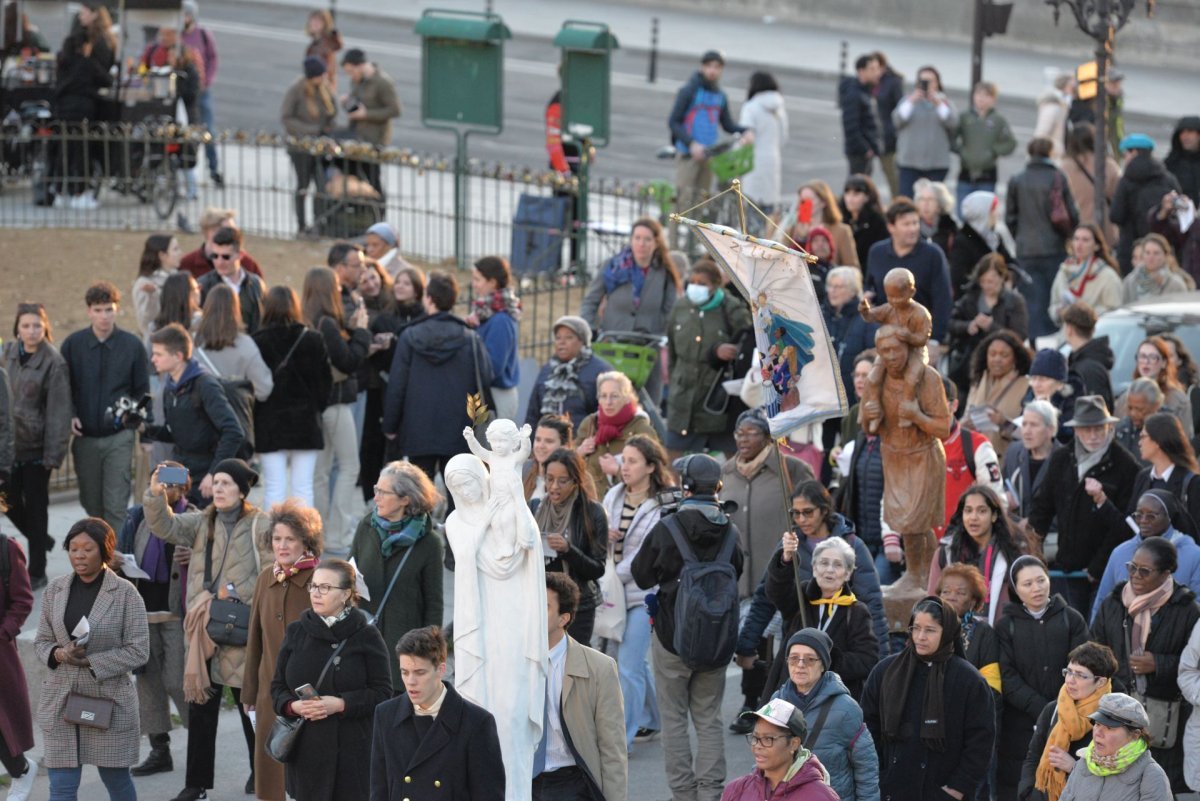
{"x": 819, "y": 641}
{"x": 191, "y": 9}
{"x": 579, "y": 327}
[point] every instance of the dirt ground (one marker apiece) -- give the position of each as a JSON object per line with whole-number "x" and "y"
{"x": 55, "y": 268}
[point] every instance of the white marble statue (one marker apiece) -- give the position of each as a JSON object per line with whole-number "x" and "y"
{"x": 500, "y": 653}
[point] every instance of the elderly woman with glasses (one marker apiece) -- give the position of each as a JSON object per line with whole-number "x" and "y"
{"x": 332, "y": 757}
{"x": 1146, "y": 621}
{"x": 603, "y": 433}
{"x": 1064, "y": 725}
{"x": 398, "y": 532}
{"x": 1118, "y": 763}
{"x": 841, "y": 743}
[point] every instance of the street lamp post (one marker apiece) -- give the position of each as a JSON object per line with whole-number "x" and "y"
{"x": 1100, "y": 19}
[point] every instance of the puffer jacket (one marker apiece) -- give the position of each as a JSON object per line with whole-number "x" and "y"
{"x": 41, "y": 403}
{"x": 809, "y": 783}
{"x": 1189, "y": 685}
{"x": 1144, "y": 780}
{"x": 244, "y": 551}
{"x": 692, "y": 339}
{"x": 843, "y": 744}
{"x": 644, "y": 520}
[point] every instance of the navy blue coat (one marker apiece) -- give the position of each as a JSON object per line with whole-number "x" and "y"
{"x": 928, "y": 265}
{"x": 578, "y": 406}
{"x": 432, "y": 374}
{"x": 851, "y": 335}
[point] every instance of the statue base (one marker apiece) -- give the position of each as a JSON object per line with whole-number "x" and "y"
{"x": 900, "y": 597}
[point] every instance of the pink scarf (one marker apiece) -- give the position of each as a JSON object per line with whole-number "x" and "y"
{"x": 1142, "y": 607}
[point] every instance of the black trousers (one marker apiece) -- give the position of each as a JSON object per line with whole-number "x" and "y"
{"x": 28, "y": 509}
{"x": 430, "y": 465}
{"x": 581, "y": 627}
{"x": 372, "y": 448}
{"x": 15, "y": 764}
{"x": 202, "y": 737}
{"x": 308, "y": 171}
{"x": 564, "y": 784}
{"x": 859, "y": 164}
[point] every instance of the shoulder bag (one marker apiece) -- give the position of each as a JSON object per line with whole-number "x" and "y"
{"x": 285, "y": 731}
{"x": 228, "y": 618}
{"x": 1166, "y": 717}
{"x": 1060, "y": 218}
{"x": 240, "y": 395}
{"x": 86, "y": 710}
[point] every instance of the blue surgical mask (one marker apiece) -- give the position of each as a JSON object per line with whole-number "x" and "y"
{"x": 698, "y": 293}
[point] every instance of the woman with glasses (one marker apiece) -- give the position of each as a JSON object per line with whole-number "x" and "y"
{"x": 332, "y": 757}
{"x": 399, "y": 529}
{"x": 1158, "y": 514}
{"x": 1154, "y": 362}
{"x": 575, "y": 527}
{"x": 842, "y": 745}
{"x": 783, "y": 766}
{"x": 826, "y": 603}
{"x": 930, "y": 712}
{"x": 1037, "y": 635}
{"x": 279, "y": 599}
{"x": 1146, "y": 621}
{"x": 603, "y": 434}
{"x": 1064, "y": 725}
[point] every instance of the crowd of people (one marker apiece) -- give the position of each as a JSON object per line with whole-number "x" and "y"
{"x": 1056, "y": 649}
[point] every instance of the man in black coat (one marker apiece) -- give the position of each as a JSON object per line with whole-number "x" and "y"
{"x": 860, "y": 123}
{"x": 199, "y": 423}
{"x": 1079, "y": 479}
{"x": 1142, "y": 185}
{"x": 430, "y": 742}
{"x": 1091, "y": 357}
{"x": 226, "y": 255}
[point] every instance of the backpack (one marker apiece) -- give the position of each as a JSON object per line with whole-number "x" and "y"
{"x": 240, "y": 394}
{"x": 706, "y": 603}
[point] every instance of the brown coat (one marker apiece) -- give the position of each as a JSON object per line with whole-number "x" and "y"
{"x": 593, "y": 716}
{"x": 16, "y": 601}
{"x": 640, "y": 424}
{"x": 275, "y": 605}
{"x": 120, "y": 642}
{"x": 248, "y": 552}
{"x": 1084, "y": 190}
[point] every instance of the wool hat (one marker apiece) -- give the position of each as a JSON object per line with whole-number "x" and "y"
{"x": 1136, "y": 141}
{"x": 242, "y": 474}
{"x": 822, "y": 232}
{"x": 579, "y": 327}
{"x": 1049, "y": 363}
{"x": 191, "y": 9}
{"x": 1090, "y": 410}
{"x": 783, "y": 714}
{"x": 754, "y": 417}
{"x": 819, "y": 641}
{"x": 384, "y": 231}
{"x": 313, "y": 67}
{"x": 354, "y": 57}
{"x": 1119, "y": 709}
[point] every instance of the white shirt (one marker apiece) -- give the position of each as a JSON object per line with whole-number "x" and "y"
{"x": 1166, "y": 474}
{"x": 236, "y": 281}
{"x": 558, "y": 755}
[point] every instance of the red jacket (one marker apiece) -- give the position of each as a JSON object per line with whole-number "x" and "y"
{"x": 198, "y": 264}
{"x": 811, "y": 783}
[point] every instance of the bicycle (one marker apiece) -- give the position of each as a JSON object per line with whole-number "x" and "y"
{"x": 727, "y": 160}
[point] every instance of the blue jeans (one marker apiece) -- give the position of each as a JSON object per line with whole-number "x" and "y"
{"x": 965, "y": 187}
{"x": 637, "y": 679}
{"x": 64, "y": 783}
{"x": 909, "y": 176}
{"x": 204, "y": 104}
{"x": 889, "y": 572}
{"x": 1042, "y": 270}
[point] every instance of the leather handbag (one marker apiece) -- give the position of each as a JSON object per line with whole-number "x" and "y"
{"x": 1165, "y": 720}
{"x": 86, "y": 710}
{"x": 1060, "y": 217}
{"x": 228, "y": 618}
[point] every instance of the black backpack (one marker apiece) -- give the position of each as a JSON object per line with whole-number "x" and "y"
{"x": 706, "y": 603}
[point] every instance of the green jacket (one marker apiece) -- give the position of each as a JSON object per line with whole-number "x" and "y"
{"x": 981, "y": 141}
{"x": 692, "y": 339}
{"x": 416, "y": 600}
{"x": 377, "y": 94}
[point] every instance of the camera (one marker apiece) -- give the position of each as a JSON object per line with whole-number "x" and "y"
{"x": 127, "y": 413}
{"x": 923, "y": 84}
{"x": 1180, "y": 203}
{"x": 351, "y": 105}
{"x": 669, "y": 499}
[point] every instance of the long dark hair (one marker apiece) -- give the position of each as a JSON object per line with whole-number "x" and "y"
{"x": 177, "y": 304}
{"x": 32, "y": 307}
{"x": 579, "y": 474}
{"x": 1165, "y": 431}
{"x": 1187, "y": 371}
{"x": 815, "y": 493}
{"x": 156, "y": 245}
{"x": 863, "y": 183}
{"x": 662, "y": 254}
{"x": 221, "y": 320}
{"x": 656, "y": 457}
{"x": 762, "y": 82}
{"x": 963, "y": 549}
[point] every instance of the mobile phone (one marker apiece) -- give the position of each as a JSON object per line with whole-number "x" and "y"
{"x": 805, "y": 211}
{"x": 923, "y": 84}
{"x": 173, "y": 476}
{"x": 306, "y": 692}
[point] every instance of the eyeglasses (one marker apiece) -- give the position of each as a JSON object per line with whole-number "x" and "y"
{"x": 383, "y": 491}
{"x": 810, "y": 512}
{"x": 322, "y": 589}
{"x": 807, "y": 661}
{"x": 767, "y": 741}
{"x": 1068, "y": 673}
{"x": 1140, "y": 571}
{"x": 1149, "y": 357}
{"x": 1145, "y": 516}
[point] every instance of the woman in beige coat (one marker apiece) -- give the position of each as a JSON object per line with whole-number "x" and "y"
{"x": 1079, "y": 165}
{"x": 280, "y": 595}
{"x": 234, "y": 533}
{"x": 98, "y": 663}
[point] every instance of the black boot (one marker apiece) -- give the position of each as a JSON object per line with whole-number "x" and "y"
{"x": 159, "y": 759}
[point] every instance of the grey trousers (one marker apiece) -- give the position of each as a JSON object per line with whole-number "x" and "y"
{"x": 162, "y": 681}
{"x": 693, "y": 182}
{"x": 682, "y": 691}
{"x": 104, "y": 467}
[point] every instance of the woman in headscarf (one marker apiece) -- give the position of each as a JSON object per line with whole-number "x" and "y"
{"x": 999, "y": 380}
{"x": 1064, "y": 726}
{"x": 1036, "y": 635}
{"x": 930, "y": 712}
{"x": 1146, "y": 621}
{"x": 977, "y": 238}
{"x": 1119, "y": 753}
{"x": 985, "y": 306}
{"x": 602, "y": 436}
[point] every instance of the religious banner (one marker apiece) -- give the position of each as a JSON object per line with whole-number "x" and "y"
{"x": 802, "y": 382}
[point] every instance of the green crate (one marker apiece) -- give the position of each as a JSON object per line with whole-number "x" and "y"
{"x": 732, "y": 163}
{"x": 637, "y": 362}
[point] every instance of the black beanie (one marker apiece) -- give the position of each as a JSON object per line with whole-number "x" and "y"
{"x": 242, "y": 474}
{"x": 815, "y": 639}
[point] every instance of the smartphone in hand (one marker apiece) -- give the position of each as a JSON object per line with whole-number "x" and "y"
{"x": 306, "y": 692}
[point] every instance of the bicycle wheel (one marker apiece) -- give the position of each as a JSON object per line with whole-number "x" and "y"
{"x": 164, "y": 188}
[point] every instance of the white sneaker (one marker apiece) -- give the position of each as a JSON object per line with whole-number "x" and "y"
{"x": 60, "y": 201}
{"x": 85, "y": 202}
{"x": 21, "y": 787}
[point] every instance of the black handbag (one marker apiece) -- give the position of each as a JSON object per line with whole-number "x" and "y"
{"x": 285, "y": 731}
{"x": 228, "y": 618}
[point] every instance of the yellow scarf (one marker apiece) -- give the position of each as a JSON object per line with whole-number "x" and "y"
{"x": 837, "y": 600}
{"x": 1072, "y": 725}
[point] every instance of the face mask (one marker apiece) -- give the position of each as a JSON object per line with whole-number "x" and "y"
{"x": 698, "y": 293}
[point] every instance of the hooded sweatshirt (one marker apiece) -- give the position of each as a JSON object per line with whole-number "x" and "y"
{"x": 1185, "y": 164}
{"x": 1140, "y": 189}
